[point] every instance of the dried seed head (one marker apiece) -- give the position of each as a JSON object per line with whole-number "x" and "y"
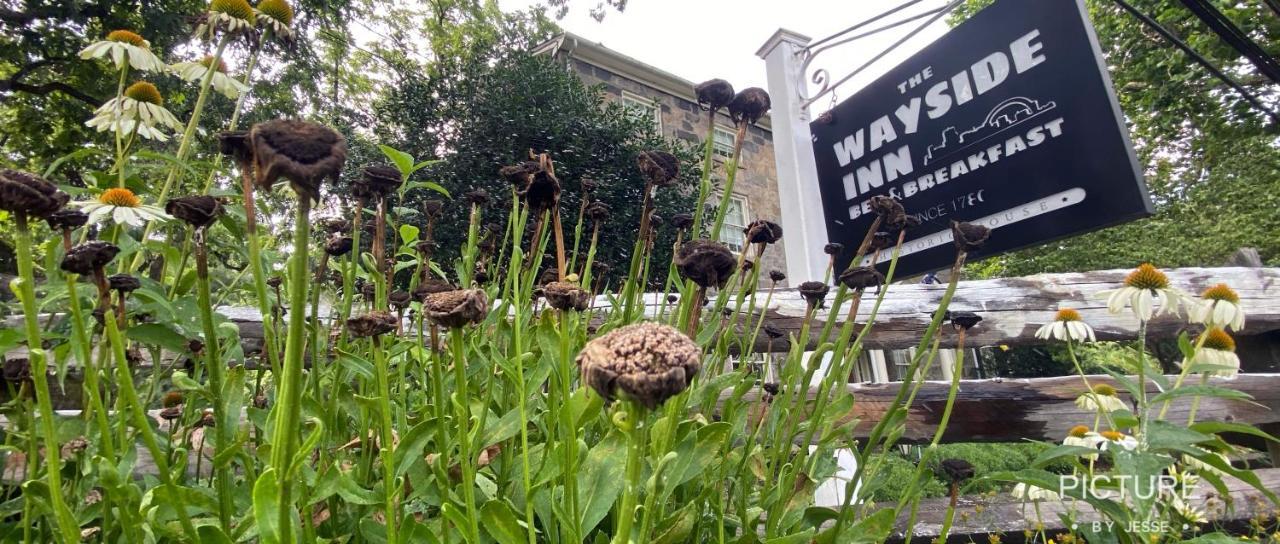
{"x": 144, "y": 91}
{"x": 968, "y": 236}
{"x": 207, "y": 419}
{"x": 682, "y": 221}
{"x": 338, "y": 245}
{"x": 171, "y": 399}
{"x": 643, "y": 362}
{"x": 672, "y": 298}
{"x": 707, "y": 263}
{"x": 889, "y": 210}
{"x": 749, "y": 105}
{"x": 714, "y": 94}
{"x": 88, "y": 257}
{"x": 777, "y": 276}
{"x": 655, "y": 220}
{"x": 430, "y": 286}
{"x": 1218, "y": 339}
{"x": 456, "y": 309}
{"x": 28, "y": 194}
{"x": 125, "y": 36}
{"x": 123, "y": 283}
{"x": 861, "y": 277}
{"x": 773, "y": 332}
{"x": 371, "y": 324}
{"x": 814, "y": 292}
{"x": 74, "y": 447}
{"x": 907, "y": 222}
{"x": 956, "y": 470}
{"x": 535, "y": 182}
{"x": 963, "y": 320}
{"x": 477, "y": 196}
{"x": 171, "y": 413}
{"x": 659, "y": 167}
{"x": 763, "y": 232}
{"x": 881, "y": 240}
{"x": 747, "y": 265}
{"x": 67, "y": 218}
{"x": 589, "y": 185}
{"x": 1147, "y": 277}
{"x": 834, "y": 248}
{"x": 301, "y": 152}
{"x": 563, "y": 295}
{"x": 17, "y": 369}
{"x": 275, "y": 282}
{"x": 399, "y": 299}
{"x": 376, "y": 181}
{"x": 199, "y": 211}
{"x": 598, "y": 211}
{"x": 235, "y": 144}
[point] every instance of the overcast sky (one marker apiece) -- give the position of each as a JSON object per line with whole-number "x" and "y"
{"x": 703, "y": 39}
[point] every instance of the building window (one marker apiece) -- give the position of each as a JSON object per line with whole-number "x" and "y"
{"x": 643, "y": 108}
{"x": 735, "y": 221}
{"x": 723, "y": 142}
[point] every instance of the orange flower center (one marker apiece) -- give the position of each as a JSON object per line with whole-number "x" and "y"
{"x": 1147, "y": 277}
{"x": 1219, "y": 339}
{"x": 1114, "y": 436}
{"x": 125, "y": 36}
{"x": 144, "y": 91}
{"x": 207, "y": 61}
{"x": 1067, "y": 314}
{"x": 1078, "y": 431}
{"x": 121, "y": 197}
{"x": 1221, "y": 292}
{"x": 279, "y": 10}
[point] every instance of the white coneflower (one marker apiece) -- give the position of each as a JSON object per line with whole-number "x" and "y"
{"x": 232, "y": 16}
{"x": 1033, "y": 493}
{"x": 140, "y": 109}
{"x": 1146, "y": 291}
{"x": 1103, "y": 397}
{"x": 276, "y": 16}
{"x": 1080, "y": 436}
{"x": 1066, "y": 325}
{"x": 1218, "y": 352}
{"x": 195, "y": 72}
{"x": 1190, "y": 513}
{"x": 1117, "y": 439}
{"x": 1219, "y": 306}
{"x": 121, "y": 206}
{"x": 123, "y": 46}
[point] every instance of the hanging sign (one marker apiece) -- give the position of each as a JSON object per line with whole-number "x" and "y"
{"x": 1009, "y": 120}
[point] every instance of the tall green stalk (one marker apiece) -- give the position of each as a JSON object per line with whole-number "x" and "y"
{"x": 67, "y": 525}
{"x": 385, "y": 448}
{"x": 217, "y": 378}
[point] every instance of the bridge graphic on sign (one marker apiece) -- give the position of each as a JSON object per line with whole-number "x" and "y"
{"x": 1006, "y": 115}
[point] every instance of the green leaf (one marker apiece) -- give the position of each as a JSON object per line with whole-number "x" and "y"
{"x": 1215, "y": 427}
{"x": 411, "y": 445}
{"x": 1165, "y": 435}
{"x": 797, "y": 538}
{"x": 1058, "y": 452}
{"x": 403, "y": 161}
{"x": 157, "y": 334}
{"x": 409, "y": 233}
{"x": 677, "y": 527}
{"x": 695, "y": 454}
{"x": 600, "y": 479}
{"x": 501, "y": 522}
{"x": 266, "y": 507}
{"x": 432, "y": 186}
{"x": 1201, "y": 391}
{"x": 212, "y": 534}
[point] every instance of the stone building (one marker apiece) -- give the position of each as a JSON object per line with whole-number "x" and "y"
{"x": 669, "y": 101}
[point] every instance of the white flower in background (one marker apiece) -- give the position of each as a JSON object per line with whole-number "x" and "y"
{"x": 1188, "y": 512}
{"x": 124, "y": 47}
{"x": 1112, "y": 439}
{"x": 1146, "y": 291}
{"x": 1032, "y": 493}
{"x": 1201, "y": 467}
{"x": 141, "y": 109}
{"x": 1066, "y": 325}
{"x": 1102, "y": 398}
{"x": 276, "y": 16}
{"x": 1080, "y": 436}
{"x": 231, "y": 16}
{"x": 1218, "y": 349}
{"x": 1219, "y": 306}
{"x": 121, "y": 206}
{"x": 195, "y": 72}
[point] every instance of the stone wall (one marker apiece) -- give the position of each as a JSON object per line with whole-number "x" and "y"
{"x": 756, "y": 181}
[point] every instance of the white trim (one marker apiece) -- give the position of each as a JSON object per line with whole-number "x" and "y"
{"x": 645, "y": 101}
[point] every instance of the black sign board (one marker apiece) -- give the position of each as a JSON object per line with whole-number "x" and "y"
{"x": 1009, "y": 120}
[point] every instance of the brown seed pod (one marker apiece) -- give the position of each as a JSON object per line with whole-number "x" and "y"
{"x": 399, "y": 299}
{"x": 376, "y": 181}
{"x": 85, "y": 258}
{"x": 962, "y": 320}
{"x": 598, "y": 211}
{"x": 861, "y": 277}
{"x": 655, "y": 220}
{"x": 477, "y": 196}
{"x": 533, "y": 182}
{"x": 432, "y": 208}
{"x": 814, "y": 292}
{"x": 74, "y": 447}
{"x": 456, "y": 309}
{"x": 430, "y": 286}
{"x": 199, "y": 211}
{"x": 777, "y": 276}
{"x": 17, "y": 369}
{"x": 334, "y": 225}
{"x": 371, "y": 324}
{"x": 171, "y": 399}
{"x": 955, "y": 470}
{"x": 714, "y": 94}
{"x": 275, "y": 282}
{"x": 589, "y": 185}
{"x": 747, "y": 266}
{"x": 67, "y": 218}
{"x": 644, "y": 362}
{"x": 549, "y": 275}
{"x": 834, "y": 248}
{"x": 707, "y": 263}
{"x": 124, "y": 283}
{"x": 207, "y": 419}
{"x": 563, "y": 295}
{"x": 763, "y": 232}
{"x": 880, "y": 240}
{"x": 682, "y": 221}
{"x": 338, "y": 245}
{"x": 773, "y": 332}
{"x": 968, "y": 236}
{"x": 749, "y": 105}
{"x": 28, "y": 194}
{"x": 172, "y": 413}
{"x": 520, "y": 174}
{"x": 659, "y": 167}
{"x": 235, "y": 144}
{"x": 301, "y": 152}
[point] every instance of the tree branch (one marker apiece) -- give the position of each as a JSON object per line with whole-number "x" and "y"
{"x": 45, "y": 89}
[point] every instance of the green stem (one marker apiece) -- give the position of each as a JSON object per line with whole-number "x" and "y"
{"x": 462, "y": 401}
{"x": 633, "y": 426}
{"x": 289, "y": 397}
{"x": 39, "y": 376}
{"x": 217, "y": 378}
{"x": 385, "y": 450}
